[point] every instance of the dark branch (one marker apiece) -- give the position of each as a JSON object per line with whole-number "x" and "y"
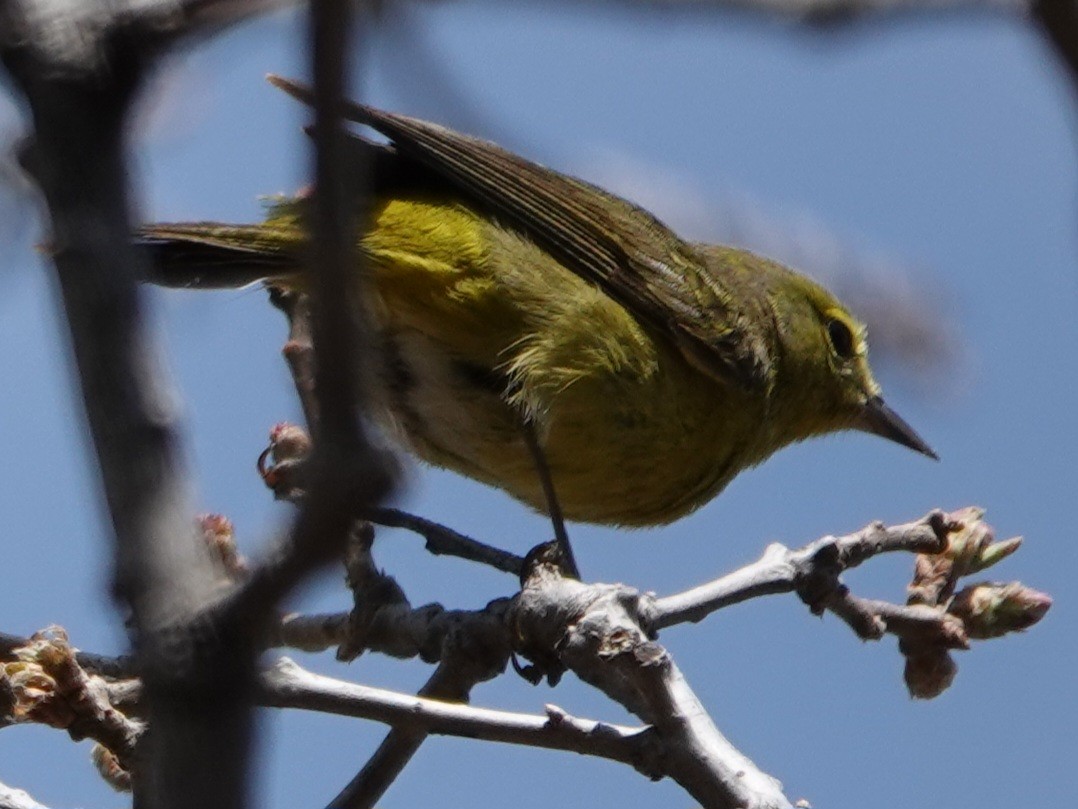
{"x": 1059, "y": 21}
{"x": 445, "y": 541}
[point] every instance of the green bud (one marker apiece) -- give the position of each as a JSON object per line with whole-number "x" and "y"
{"x": 990, "y": 610}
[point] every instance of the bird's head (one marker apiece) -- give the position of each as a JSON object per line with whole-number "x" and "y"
{"x": 822, "y": 379}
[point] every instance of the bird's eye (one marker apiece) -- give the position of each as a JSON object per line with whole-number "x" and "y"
{"x": 841, "y": 338}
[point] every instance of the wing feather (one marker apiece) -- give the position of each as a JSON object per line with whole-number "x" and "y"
{"x": 625, "y": 251}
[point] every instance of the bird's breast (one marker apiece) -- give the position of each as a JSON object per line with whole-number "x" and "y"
{"x": 621, "y": 451}
{"x": 482, "y": 329}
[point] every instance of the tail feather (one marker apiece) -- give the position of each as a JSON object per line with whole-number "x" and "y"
{"x": 207, "y": 255}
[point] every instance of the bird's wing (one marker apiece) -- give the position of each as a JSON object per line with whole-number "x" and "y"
{"x": 625, "y": 251}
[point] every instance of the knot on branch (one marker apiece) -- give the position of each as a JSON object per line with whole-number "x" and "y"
{"x": 816, "y": 581}
{"x": 561, "y": 623}
{"x": 475, "y": 642}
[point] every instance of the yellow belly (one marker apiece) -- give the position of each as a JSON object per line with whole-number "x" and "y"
{"x": 482, "y": 330}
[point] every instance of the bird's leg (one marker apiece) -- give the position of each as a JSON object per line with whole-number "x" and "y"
{"x": 553, "y": 507}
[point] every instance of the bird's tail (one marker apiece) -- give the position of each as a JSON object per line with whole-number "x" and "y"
{"x": 210, "y": 255}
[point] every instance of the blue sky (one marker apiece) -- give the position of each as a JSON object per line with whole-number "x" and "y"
{"x": 946, "y": 147}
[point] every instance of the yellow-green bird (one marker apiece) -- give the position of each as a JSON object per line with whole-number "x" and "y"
{"x": 652, "y": 369}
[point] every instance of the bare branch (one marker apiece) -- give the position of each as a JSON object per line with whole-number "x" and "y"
{"x": 604, "y": 634}
{"x": 287, "y": 685}
{"x": 781, "y": 570}
{"x": 309, "y": 633}
{"x": 595, "y": 630}
{"x": 11, "y": 798}
{"x": 452, "y": 681}
{"x": 445, "y": 541}
{"x": 470, "y": 648}
{"x": 104, "y": 665}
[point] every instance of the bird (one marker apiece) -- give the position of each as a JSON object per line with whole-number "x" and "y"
{"x": 511, "y": 302}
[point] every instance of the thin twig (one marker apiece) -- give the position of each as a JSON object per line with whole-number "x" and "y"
{"x": 474, "y": 651}
{"x": 287, "y": 685}
{"x": 781, "y": 570}
{"x": 441, "y": 540}
{"x": 448, "y": 684}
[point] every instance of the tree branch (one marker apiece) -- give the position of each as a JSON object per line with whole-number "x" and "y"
{"x": 283, "y": 464}
{"x": 79, "y": 67}
{"x": 595, "y": 630}
{"x": 816, "y": 565}
{"x": 287, "y": 685}
{"x": 441, "y": 540}
{"x": 11, "y": 798}
{"x": 605, "y": 634}
{"x": 451, "y": 682}
{"x": 1058, "y": 20}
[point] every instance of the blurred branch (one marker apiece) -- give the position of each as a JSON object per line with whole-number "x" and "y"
{"x": 839, "y": 11}
{"x": 283, "y": 464}
{"x": 345, "y": 470}
{"x": 79, "y": 67}
{"x": 1059, "y": 21}
{"x": 329, "y": 346}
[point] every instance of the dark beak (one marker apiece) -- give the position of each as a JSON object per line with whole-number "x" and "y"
{"x": 877, "y": 418}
